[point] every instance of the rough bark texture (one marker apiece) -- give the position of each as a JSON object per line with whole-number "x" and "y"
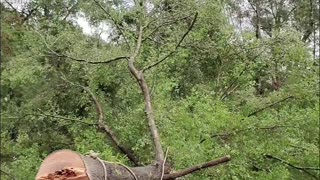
{"x": 69, "y": 165}
{"x": 139, "y": 77}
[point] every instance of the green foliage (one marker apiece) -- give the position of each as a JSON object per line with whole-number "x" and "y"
{"x": 219, "y": 94}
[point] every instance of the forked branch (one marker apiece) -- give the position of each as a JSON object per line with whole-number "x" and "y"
{"x": 138, "y": 75}
{"x": 176, "y": 47}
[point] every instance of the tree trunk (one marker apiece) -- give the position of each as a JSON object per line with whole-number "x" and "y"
{"x": 69, "y": 165}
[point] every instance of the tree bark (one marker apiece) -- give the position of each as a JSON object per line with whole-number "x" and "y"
{"x": 69, "y": 165}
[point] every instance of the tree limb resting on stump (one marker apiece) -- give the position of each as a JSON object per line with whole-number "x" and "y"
{"x": 69, "y": 165}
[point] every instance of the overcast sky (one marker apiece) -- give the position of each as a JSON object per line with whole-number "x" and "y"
{"x": 88, "y": 29}
{"x": 104, "y": 30}
{"x": 91, "y": 30}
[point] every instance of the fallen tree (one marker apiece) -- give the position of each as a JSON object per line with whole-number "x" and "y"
{"x": 67, "y": 164}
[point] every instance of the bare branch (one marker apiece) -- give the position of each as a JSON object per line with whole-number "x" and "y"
{"x": 69, "y": 10}
{"x": 9, "y": 175}
{"x": 176, "y": 47}
{"x": 76, "y": 59}
{"x": 54, "y": 116}
{"x": 254, "y": 127}
{"x": 114, "y": 21}
{"x": 89, "y": 62}
{"x": 11, "y": 6}
{"x": 234, "y": 132}
{"x": 197, "y": 167}
{"x": 65, "y": 118}
{"x": 29, "y": 14}
{"x": 277, "y": 102}
{"x": 226, "y": 92}
{"x": 304, "y": 169}
{"x": 101, "y": 123}
{"x": 162, "y": 25}
{"x": 26, "y": 15}
{"x": 138, "y": 75}
{"x": 139, "y": 42}
{"x": 163, "y": 164}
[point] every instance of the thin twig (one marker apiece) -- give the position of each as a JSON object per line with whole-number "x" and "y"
{"x": 304, "y": 169}
{"x": 9, "y": 175}
{"x": 247, "y": 129}
{"x": 11, "y": 6}
{"x": 197, "y": 168}
{"x": 56, "y": 117}
{"x": 162, "y": 25}
{"x": 272, "y": 104}
{"x": 163, "y": 164}
{"x": 69, "y": 10}
{"x": 65, "y": 118}
{"x": 91, "y": 62}
{"x": 226, "y": 92}
{"x": 176, "y": 47}
{"x": 114, "y": 21}
{"x": 76, "y": 59}
{"x": 153, "y": 84}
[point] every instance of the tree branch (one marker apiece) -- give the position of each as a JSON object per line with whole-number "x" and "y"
{"x": 102, "y": 126}
{"x": 197, "y": 168}
{"x": 250, "y": 128}
{"x": 64, "y": 118}
{"x": 176, "y": 47}
{"x": 89, "y": 62}
{"x": 9, "y": 175}
{"x": 69, "y": 10}
{"x": 29, "y": 14}
{"x": 76, "y": 59}
{"x": 163, "y": 24}
{"x": 226, "y": 92}
{"x": 26, "y": 15}
{"x": 54, "y": 116}
{"x": 234, "y": 132}
{"x": 12, "y": 7}
{"x": 114, "y": 21}
{"x": 277, "y": 102}
{"x": 304, "y": 169}
{"x": 138, "y": 75}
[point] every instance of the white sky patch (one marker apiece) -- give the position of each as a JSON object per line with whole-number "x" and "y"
{"x": 103, "y": 29}
{"x": 17, "y": 4}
